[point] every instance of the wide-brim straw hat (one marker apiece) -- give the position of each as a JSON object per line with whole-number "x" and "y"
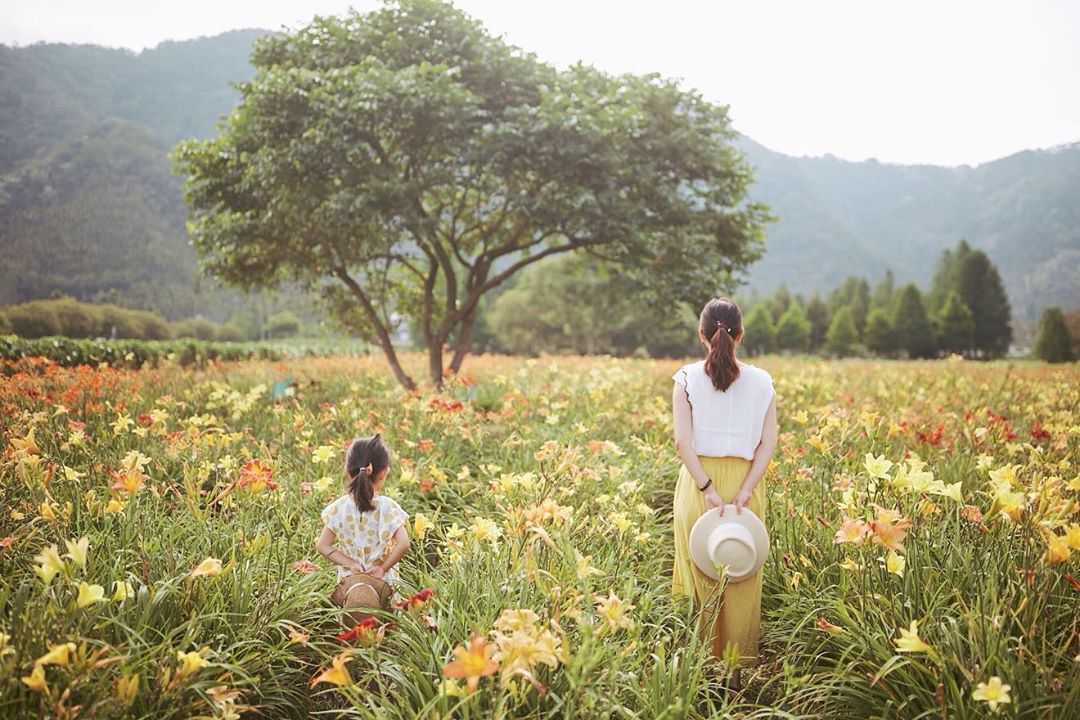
{"x": 737, "y": 540}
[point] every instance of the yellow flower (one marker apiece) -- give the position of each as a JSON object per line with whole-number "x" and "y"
{"x": 614, "y": 612}
{"x": 1072, "y": 536}
{"x": 190, "y": 663}
{"x": 127, "y": 687}
{"x": 850, "y": 565}
{"x": 1057, "y": 549}
{"x": 210, "y": 567}
{"x": 512, "y": 620}
{"x": 90, "y": 594}
{"x": 954, "y": 492}
{"x": 421, "y": 525}
{"x": 323, "y": 454}
{"x": 57, "y": 655}
{"x": 895, "y": 563}
{"x": 877, "y": 467}
{"x": 121, "y": 424}
{"x": 36, "y": 680}
{"x": 77, "y": 551}
{"x": 520, "y": 651}
{"x": 49, "y": 564}
{"x": 451, "y": 688}
{"x": 323, "y": 484}
{"x": 584, "y": 566}
{"x": 123, "y": 590}
{"x": 910, "y": 641}
{"x": 620, "y": 521}
{"x": 114, "y": 507}
{"x": 338, "y": 674}
{"x": 47, "y": 511}
{"x": 1003, "y": 478}
{"x": 484, "y": 529}
{"x": 993, "y": 693}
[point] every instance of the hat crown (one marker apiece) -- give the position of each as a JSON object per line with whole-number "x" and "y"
{"x": 732, "y": 545}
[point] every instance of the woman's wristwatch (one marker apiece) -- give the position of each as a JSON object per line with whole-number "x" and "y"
{"x": 705, "y": 487}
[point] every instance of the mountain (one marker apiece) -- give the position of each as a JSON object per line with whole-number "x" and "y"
{"x": 89, "y": 207}
{"x": 840, "y": 218}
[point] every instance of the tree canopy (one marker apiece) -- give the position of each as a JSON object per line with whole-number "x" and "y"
{"x": 405, "y": 162}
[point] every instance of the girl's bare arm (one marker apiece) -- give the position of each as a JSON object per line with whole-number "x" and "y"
{"x": 325, "y": 546}
{"x": 401, "y": 546}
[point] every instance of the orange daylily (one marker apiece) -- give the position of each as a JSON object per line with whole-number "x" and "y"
{"x": 473, "y": 662}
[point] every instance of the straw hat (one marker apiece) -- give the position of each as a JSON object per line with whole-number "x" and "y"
{"x": 737, "y": 540}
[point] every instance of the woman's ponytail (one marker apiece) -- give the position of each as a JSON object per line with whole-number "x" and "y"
{"x": 721, "y": 323}
{"x": 364, "y": 460}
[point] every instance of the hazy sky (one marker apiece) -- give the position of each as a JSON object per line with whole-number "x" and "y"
{"x": 942, "y": 81}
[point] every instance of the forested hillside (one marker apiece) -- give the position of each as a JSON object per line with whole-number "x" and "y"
{"x": 89, "y": 207}
{"x": 840, "y": 218}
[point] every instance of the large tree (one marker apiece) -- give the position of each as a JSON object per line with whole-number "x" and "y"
{"x": 912, "y": 328}
{"x": 1054, "y": 343}
{"x": 404, "y": 162}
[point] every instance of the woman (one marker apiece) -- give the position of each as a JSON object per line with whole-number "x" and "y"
{"x": 725, "y": 433}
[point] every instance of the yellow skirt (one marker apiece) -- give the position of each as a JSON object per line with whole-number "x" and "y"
{"x": 733, "y": 610}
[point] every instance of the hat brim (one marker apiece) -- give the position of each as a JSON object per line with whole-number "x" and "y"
{"x": 712, "y": 519}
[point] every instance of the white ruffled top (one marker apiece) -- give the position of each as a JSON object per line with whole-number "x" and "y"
{"x": 727, "y": 422}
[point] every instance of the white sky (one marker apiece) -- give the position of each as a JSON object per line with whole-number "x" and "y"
{"x": 942, "y": 81}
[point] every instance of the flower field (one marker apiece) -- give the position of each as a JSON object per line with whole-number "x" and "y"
{"x": 157, "y": 533}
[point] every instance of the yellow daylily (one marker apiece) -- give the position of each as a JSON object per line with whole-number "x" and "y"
{"x": 421, "y": 525}
{"x": 993, "y": 693}
{"x": 323, "y": 454}
{"x": 614, "y": 612}
{"x": 77, "y": 551}
{"x": 90, "y": 594}
{"x": 190, "y": 663}
{"x": 210, "y": 567}
{"x": 122, "y": 590}
{"x": 909, "y": 640}
{"x": 49, "y": 564}
{"x": 1057, "y": 549}
{"x": 57, "y": 655}
{"x": 338, "y": 674}
{"x": 895, "y": 563}
{"x": 36, "y": 680}
{"x": 127, "y": 687}
{"x": 877, "y": 467}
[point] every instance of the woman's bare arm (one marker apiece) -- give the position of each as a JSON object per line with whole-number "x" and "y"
{"x": 764, "y": 451}
{"x": 684, "y": 443}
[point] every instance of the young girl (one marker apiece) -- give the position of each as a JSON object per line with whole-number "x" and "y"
{"x": 367, "y": 528}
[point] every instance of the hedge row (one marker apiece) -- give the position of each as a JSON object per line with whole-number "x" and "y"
{"x": 132, "y": 354}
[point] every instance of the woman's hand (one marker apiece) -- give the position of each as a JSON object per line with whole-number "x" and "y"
{"x": 377, "y": 572}
{"x": 713, "y": 499}
{"x": 742, "y": 499}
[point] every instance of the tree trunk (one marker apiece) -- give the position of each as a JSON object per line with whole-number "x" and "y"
{"x": 464, "y": 342}
{"x": 395, "y": 364}
{"x": 435, "y": 362}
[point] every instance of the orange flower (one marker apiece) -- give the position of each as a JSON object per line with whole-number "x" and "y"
{"x": 890, "y": 535}
{"x": 826, "y": 626}
{"x": 257, "y": 476}
{"x": 852, "y": 531}
{"x": 473, "y": 662}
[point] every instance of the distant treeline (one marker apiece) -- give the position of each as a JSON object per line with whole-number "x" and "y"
{"x": 576, "y": 305}
{"x": 966, "y": 311}
{"x": 65, "y": 317}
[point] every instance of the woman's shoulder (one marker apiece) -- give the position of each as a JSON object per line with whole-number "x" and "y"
{"x": 760, "y": 374}
{"x": 685, "y": 371}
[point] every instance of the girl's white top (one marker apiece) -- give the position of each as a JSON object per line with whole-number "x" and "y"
{"x": 366, "y": 537}
{"x": 727, "y": 422}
